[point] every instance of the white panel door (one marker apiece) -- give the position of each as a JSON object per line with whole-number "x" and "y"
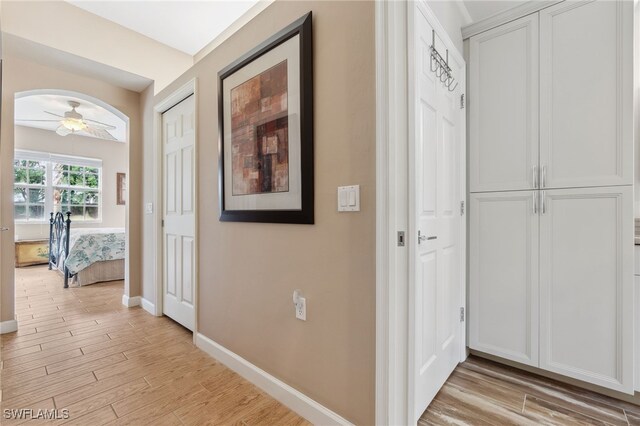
{"x": 586, "y": 285}
{"x": 503, "y": 120}
{"x": 178, "y": 137}
{"x": 586, "y": 94}
{"x": 503, "y": 274}
{"x": 438, "y": 262}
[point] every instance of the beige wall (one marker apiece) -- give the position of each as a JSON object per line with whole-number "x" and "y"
{"x": 114, "y": 156}
{"x": 19, "y": 75}
{"x": 249, "y": 271}
{"x": 68, "y": 28}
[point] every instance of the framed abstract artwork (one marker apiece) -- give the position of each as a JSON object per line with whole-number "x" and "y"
{"x": 265, "y": 105}
{"x": 121, "y": 188}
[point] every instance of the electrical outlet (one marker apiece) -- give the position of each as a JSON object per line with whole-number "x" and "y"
{"x": 301, "y": 309}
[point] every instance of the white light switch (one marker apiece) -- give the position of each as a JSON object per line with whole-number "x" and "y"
{"x": 148, "y": 208}
{"x": 349, "y": 198}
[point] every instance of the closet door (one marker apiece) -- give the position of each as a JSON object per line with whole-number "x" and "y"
{"x": 503, "y": 275}
{"x": 503, "y": 144}
{"x": 586, "y": 94}
{"x": 586, "y": 285}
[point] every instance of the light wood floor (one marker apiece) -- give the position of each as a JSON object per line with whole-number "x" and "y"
{"x": 481, "y": 392}
{"x": 79, "y": 349}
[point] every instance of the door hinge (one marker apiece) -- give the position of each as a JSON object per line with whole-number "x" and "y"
{"x": 462, "y": 101}
{"x": 461, "y": 208}
{"x": 163, "y": 223}
{"x": 400, "y": 238}
{"x": 462, "y": 314}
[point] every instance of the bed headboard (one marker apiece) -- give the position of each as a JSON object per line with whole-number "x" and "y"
{"x": 59, "y": 233}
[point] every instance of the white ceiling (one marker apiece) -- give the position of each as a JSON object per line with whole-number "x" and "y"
{"x": 33, "y": 108}
{"x": 480, "y": 9}
{"x": 184, "y": 25}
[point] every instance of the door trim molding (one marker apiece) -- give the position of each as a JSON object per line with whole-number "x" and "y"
{"x": 171, "y": 100}
{"x": 306, "y": 407}
{"x": 391, "y": 212}
{"x": 508, "y": 15}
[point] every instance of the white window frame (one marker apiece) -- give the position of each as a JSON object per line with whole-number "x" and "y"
{"x": 49, "y": 160}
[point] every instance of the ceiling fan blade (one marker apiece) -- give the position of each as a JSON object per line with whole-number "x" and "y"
{"x": 99, "y": 133}
{"x": 27, "y": 119}
{"x": 63, "y": 131}
{"x": 108, "y": 126}
{"x": 57, "y": 115}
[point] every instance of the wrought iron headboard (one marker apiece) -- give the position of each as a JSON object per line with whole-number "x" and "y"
{"x": 59, "y": 232}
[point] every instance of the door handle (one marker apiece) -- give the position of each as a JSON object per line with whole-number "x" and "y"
{"x": 422, "y": 238}
{"x": 3, "y": 229}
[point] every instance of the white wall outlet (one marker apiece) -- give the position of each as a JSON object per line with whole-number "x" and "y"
{"x": 301, "y": 309}
{"x": 300, "y": 304}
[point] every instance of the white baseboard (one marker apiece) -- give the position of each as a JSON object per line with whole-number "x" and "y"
{"x": 311, "y": 410}
{"x": 8, "y": 326}
{"x": 148, "y": 306}
{"x": 130, "y": 302}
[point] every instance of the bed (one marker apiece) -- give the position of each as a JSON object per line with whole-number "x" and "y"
{"x": 85, "y": 255}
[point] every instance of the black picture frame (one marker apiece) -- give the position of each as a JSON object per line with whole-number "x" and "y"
{"x": 305, "y": 215}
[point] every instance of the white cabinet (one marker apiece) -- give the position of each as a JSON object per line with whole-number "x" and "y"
{"x": 503, "y": 145}
{"x": 551, "y": 119}
{"x": 586, "y": 285}
{"x": 503, "y": 248}
{"x": 637, "y": 328}
{"x": 586, "y": 95}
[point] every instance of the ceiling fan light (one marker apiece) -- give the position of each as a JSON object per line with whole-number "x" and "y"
{"x": 74, "y": 124}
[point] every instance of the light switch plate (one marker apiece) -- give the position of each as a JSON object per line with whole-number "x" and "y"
{"x": 349, "y": 198}
{"x": 148, "y": 208}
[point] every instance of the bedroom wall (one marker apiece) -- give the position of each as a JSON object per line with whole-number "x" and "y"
{"x": 20, "y": 75}
{"x": 114, "y": 156}
{"x": 248, "y": 271}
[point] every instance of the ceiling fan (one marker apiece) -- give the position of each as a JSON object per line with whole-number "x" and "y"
{"x": 73, "y": 122}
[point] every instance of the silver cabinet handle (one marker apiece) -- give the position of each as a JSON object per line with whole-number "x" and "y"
{"x": 535, "y": 177}
{"x": 544, "y": 204}
{"x": 535, "y": 202}
{"x": 543, "y": 179}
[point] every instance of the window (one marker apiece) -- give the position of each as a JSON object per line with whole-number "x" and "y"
{"x": 45, "y": 183}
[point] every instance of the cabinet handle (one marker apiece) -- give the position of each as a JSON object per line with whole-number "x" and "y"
{"x": 535, "y": 177}
{"x": 535, "y": 202}
{"x": 544, "y": 203}
{"x": 543, "y": 179}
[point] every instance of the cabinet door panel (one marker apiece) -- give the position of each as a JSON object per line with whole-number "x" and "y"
{"x": 586, "y": 285}
{"x": 503, "y": 275}
{"x": 586, "y": 94}
{"x": 503, "y": 144}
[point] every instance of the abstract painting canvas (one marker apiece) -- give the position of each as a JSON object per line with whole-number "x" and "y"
{"x": 266, "y": 131}
{"x": 260, "y": 133}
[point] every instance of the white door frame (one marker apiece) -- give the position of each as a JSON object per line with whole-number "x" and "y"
{"x": 188, "y": 89}
{"x": 393, "y": 404}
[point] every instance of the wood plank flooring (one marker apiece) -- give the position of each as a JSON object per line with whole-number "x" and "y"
{"x": 80, "y": 350}
{"x": 481, "y": 392}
